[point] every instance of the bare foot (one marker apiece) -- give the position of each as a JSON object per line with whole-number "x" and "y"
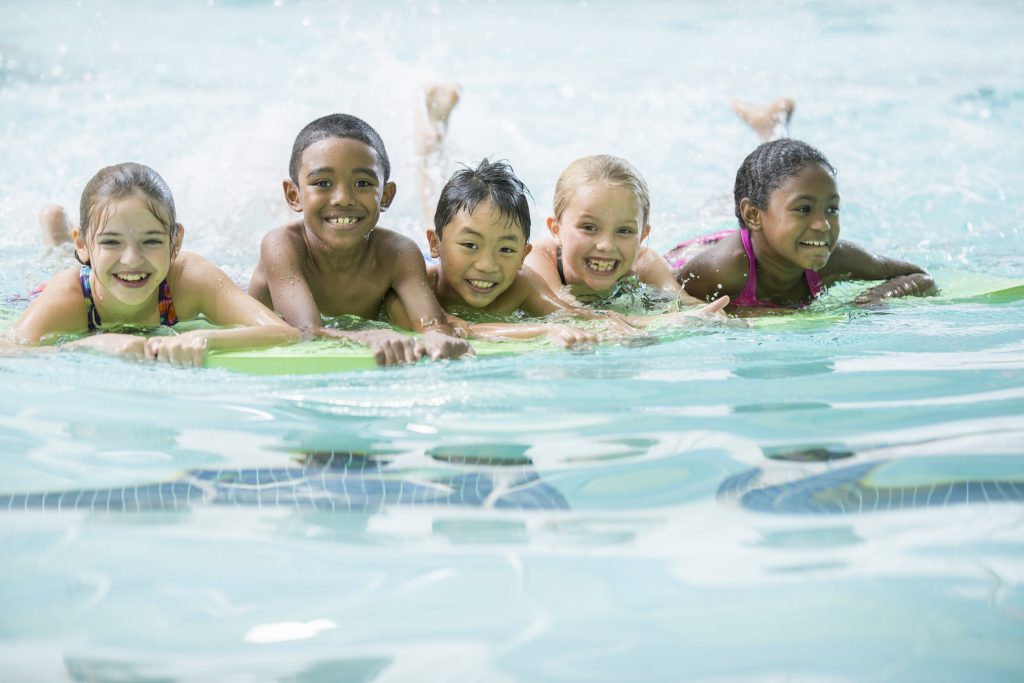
{"x": 431, "y": 126}
{"x": 771, "y": 121}
{"x": 54, "y": 225}
{"x": 440, "y": 99}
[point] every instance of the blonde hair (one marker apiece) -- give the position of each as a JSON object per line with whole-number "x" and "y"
{"x": 601, "y": 168}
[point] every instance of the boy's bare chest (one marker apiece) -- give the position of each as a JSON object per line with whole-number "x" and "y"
{"x": 355, "y": 292}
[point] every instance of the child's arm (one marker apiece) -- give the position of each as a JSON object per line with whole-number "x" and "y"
{"x": 424, "y": 313}
{"x": 717, "y": 271}
{"x": 294, "y": 301}
{"x": 204, "y": 289}
{"x": 652, "y": 269}
{"x": 60, "y": 307}
{"x": 850, "y": 261}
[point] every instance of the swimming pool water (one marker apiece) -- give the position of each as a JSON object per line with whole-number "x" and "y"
{"x": 833, "y": 500}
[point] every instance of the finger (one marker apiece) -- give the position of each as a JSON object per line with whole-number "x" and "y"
{"x": 716, "y": 305}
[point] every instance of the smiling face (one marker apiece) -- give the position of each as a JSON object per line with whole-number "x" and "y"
{"x": 130, "y": 254}
{"x": 800, "y": 226}
{"x": 481, "y": 253}
{"x": 341, "y": 191}
{"x": 600, "y": 232}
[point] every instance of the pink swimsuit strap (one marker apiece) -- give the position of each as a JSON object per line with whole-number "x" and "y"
{"x": 748, "y": 297}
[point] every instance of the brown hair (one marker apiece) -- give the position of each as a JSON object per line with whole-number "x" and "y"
{"x": 123, "y": 180}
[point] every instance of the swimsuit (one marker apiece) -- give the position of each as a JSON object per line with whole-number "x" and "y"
{"x": 168, "y": 316}
{"x": 558, "y": 264}
{"x": 682, "y": 253}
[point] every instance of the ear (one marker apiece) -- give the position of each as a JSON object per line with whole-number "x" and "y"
{"x": 388, "y": 195}
{"x": 645, "y": 232}
{"x": 527, "y": 248}
{"x": 553, "y": 226}
{"x": 750, "y": 214}
{"x": 176, "y": 246}
{"x": 81, "y": 248}
{"x": 292, "y": 195}
{"x": 435, "y": 243}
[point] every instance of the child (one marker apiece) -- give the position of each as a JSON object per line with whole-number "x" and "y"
{"x": 592, "y": 185}
{"x": 336, "y": 261}
{"x": 481, "y": 232}
{"x": 601, "y": 209}
{"x": 133, "y": 274}
{"x": 787, "y": 248}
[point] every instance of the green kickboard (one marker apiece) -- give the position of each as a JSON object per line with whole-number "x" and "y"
{"x": 321, "y": 356}
{"x": 324, "y": 356}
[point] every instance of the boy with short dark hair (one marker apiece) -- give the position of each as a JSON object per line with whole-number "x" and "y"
{"x": 336, "y": 261}
{"x": 481, "y": 236}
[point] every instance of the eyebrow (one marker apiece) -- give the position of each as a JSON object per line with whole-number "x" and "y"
{"x": 466, "y": 230}
{"x": 801, "y": 197}
{"x": 588, "y": 216}
{"x": 329, "y": 169}
{"x": 154, "y": 231}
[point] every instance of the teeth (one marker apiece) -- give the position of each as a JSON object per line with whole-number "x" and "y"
{"x": 815, "y": 243}
{"x": 601, "y": 265}
{"x": 132, "y": 277}
{"x": 481, "y": 284}
{"x": 343, "y": 220}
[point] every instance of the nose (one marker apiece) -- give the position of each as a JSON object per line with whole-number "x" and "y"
{"x": 131, "y": 255}
{"x": 822, "y": 222}
{"x": 342, "y": 195}
{"x": 604, "y": 242}
{"x": 486, "y": 263}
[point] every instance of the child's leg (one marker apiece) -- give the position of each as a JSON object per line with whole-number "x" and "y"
{"x": 54, "y": 225}
{"x": 771, "y": 121}
{"x": 431, "y": 127}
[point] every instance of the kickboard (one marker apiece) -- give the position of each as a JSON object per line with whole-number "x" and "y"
{"x": 325, "y": 356}
{"x": 312, "y": 357}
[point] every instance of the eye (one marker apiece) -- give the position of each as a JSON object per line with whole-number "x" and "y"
{"x": 802, "y": 209}
{"x": 626, "y": 230}
{"x": 833, "y": 210}
{"x": 107, "y": 242}
{"x": 154, "y": 242}
{"x": 322, "y": 183}
{"x": 588, "y": 227}
{"x": 467, "y": 245}
{"x": 364, "y": 183}
{"x": 509, "y": 250}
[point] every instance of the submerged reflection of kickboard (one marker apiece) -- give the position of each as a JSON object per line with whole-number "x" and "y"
{"x": 351, "y": 484}
{"x": 882, "y": 486}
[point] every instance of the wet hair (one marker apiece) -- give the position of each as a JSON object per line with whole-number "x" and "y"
{"x": 601, "y": 168}
{"x": 769, "y": 166}
{"x": 489, "y": 180}
{"x": 343, "y": 126}
{"x": 123, "y": 180}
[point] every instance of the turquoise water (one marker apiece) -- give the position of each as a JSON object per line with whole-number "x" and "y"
{"x": 836, "y": 499}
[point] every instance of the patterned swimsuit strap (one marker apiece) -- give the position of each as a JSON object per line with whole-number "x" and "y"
{"x": 168, "y": 316}
{"x": 558, "y": 264}
{"x": 92, "y": 315}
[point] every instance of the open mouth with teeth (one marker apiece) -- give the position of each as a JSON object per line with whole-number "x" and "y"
{"x": 813, "y": 243}
{"x": 481, "y": 286}
{"x": 342, "y": 221}
{"x": 132, "y": 279}
{"x": 601, "y": 266}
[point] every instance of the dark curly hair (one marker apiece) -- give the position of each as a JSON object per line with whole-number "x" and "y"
{"x": 769, "y": 166}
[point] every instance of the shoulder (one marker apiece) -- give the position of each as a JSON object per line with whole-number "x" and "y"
{"x": 722, "y": 268}
{"x": 283, "y": 240}
{"x": 60, "y": 307}
{"x": 191, "y": 277}
{"x": 391, "y": 247}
